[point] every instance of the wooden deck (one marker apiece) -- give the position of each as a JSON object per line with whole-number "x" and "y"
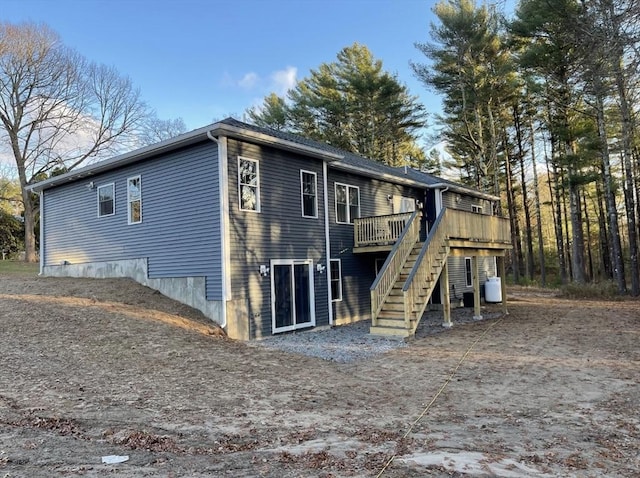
{"x": 403, "y": 287}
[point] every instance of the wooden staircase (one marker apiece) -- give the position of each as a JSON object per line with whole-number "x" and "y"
{"x": 400, "y": 311}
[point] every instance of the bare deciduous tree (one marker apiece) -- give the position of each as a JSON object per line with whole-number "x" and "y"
{"x": 58, "y": 110}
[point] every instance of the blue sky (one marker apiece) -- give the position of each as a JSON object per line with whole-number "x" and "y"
{"x": 204, "y": 60}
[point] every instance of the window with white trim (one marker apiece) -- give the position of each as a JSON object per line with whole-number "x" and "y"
{"x": 249, "y": 184}
{"x": 134, "y": 200}
{"x": 309, "y": 193}
{"x": 336, "y": 279}
{"x": 468, "y": 271}
{"x": 106, "y": 200}
{"x": 347, "y": 203}
{"x": 477, "y": 209}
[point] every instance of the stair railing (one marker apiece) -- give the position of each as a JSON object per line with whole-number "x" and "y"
{"x": 421, "y": 278}
{"x": 391, "y": 268}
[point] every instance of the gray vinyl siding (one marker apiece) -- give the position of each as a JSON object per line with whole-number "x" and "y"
{"x": 278, "y": 231}
{"x": 457, "y": 274}
{"x": 180, "y": 229}
{"x": 358, "y": 270}
{"x": 463, "y": 202}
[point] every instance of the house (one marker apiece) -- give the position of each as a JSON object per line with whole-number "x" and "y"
{"x": 268, "y": 232}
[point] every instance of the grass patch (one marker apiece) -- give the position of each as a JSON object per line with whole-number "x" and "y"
{"x": 596, "y": 290}
{"x": 19, "y": 268}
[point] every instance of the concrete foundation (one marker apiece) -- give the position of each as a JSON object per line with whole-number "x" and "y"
{"x": 187, "y": 290}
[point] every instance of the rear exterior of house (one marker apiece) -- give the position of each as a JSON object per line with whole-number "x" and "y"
{"x": 256, "y": 228}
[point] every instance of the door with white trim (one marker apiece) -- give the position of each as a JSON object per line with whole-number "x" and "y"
{"x": 292, "y": 298}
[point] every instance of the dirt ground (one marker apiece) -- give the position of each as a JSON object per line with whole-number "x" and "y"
{"x": 93, "y": 368}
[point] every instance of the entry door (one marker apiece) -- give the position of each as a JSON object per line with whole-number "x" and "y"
{"x": 292, "y": 301}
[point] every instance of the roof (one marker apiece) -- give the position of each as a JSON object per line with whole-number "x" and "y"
{"x": 338, "y": 158}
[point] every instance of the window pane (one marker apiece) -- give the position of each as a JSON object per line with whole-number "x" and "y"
{"x": 106, "y": 208}
{"x": 248, "y": 199}
{"x": 341, "y": 203}
{"x": 136, "y": 215}
{"x": 309, "y": 205}
{"x": 105, "y": 200}
{"x": 353, "y": 197}
{"x": 308, "y": 194}
{"x": 336, "y": 289}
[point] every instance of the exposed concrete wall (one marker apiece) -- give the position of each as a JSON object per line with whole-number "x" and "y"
{"x": 188, "y": 290}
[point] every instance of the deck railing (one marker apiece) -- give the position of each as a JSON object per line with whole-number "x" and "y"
{"x": 379, "y": 230}
{"x": 478, "y": 227}
{"x": 393, "y": 265}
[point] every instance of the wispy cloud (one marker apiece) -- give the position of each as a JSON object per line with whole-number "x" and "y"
{"x": 249, "y": 81}
{"x": 283, "y": 80}
{"x": 279, "y": 81}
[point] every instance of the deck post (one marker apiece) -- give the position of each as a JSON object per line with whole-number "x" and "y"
{"x": 446, "y": 298}
{"x": 477, "y": 315}
{"x": 503, "y": 283}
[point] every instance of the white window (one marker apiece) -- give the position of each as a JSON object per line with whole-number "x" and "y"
{"x": 249, "y": 184}
{"x": 336, "y": 279}
{"x": 468, "y": 272}
{"x": 309, "y": 193}
{"x": 134, "y": 200}
{"x": 106, "y": 200}
{"x": 477, "y": 209}
{"x": 347, "y": 203}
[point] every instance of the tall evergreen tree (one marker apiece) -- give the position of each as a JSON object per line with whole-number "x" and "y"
{"x": 352, "y": 104}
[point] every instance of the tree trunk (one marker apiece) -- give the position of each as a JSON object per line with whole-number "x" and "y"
{"x": 588, "y": 226}
{"x": 577, "y": 236}
{"x": 610, "y": 199}
{"x": 513, "y": 216}
{"x": 525, "y": 198}
{"x": 627, "y": 144}
{"x": 555, "y": 196}
{"x": 30, "y": 212}
{"x": 536, "y": 192}
{"x": 606, "y": 256}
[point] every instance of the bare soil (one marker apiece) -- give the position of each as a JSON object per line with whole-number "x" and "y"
{"x": 90, "y": 368}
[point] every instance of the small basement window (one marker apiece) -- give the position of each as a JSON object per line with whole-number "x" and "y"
{"x": 106, "y": 200}
{"x": 336, "y": 280}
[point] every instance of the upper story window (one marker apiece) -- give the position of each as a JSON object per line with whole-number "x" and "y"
{"x": 134, "y": 199}
{"x": 249, "y": 184}
{"x": 309, "y": 192}
{"x": 106, "y": 200}
{"x": 347, "y": 203}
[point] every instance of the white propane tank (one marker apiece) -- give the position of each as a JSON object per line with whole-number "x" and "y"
{"x": 493, "y": 290}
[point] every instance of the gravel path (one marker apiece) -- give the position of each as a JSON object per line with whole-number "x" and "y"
{"x": 352, "y": 342}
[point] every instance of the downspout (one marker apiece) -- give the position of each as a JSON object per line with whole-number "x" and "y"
{"x": 439, "y": 201}
{"x": 41, "y": 232}
{"x": 224, "y": 210}
{"x": 327, "y": 240}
